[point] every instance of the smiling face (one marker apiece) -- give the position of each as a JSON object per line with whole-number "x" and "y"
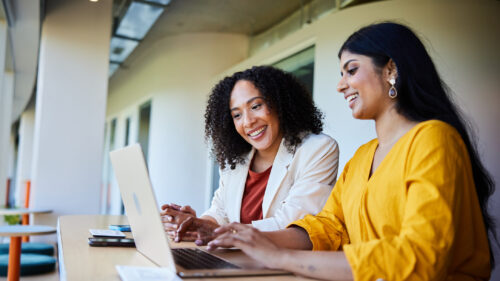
{"x": 364, "y": 86}
{"x": 253, "y": 119}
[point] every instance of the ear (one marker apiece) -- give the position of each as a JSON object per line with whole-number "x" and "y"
{"x": 390, "y": 70}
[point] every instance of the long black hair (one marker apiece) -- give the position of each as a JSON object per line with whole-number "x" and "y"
{"x": 296, "y": 111}
{"x": 422, "y": 95}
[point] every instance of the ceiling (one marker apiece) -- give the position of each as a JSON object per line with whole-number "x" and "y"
{"x": 232, "y": 16}
{"x": 242, "y": 16}
{"x": 248, "y": 17}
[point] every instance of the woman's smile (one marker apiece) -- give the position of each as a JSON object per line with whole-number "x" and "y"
{"x": 351, "y": 99}
{"x": 257, "y": 133}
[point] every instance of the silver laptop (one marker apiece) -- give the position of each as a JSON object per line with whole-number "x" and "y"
{"x": 150, "y": 237}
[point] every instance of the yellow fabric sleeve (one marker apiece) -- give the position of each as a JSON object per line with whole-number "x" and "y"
{"x": 327, "y": 230}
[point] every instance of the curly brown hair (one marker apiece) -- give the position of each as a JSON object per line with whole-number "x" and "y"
{"x": 282, "y": 92}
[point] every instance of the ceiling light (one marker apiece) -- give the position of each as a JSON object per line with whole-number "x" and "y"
{"x": 138, "y": 20}
{"x": 163, "y": 2}
{"x": 120, "y": 48}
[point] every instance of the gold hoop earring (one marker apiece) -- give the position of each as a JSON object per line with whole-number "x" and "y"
{"x": 393, "y": 93}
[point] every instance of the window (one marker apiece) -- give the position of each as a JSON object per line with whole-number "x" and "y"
{"x": 144, "y": 120}
{"x": 301, "y": 65}
{"x": 109, "y": 145}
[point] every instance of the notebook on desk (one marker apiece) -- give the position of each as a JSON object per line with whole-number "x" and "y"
{"x": 150, "y": 237}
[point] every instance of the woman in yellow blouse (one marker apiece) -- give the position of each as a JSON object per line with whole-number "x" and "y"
{"x": 410, "y": 204}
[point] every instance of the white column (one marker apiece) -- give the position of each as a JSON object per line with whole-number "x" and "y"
{"x": 70, "y": 108}
{"x": 8, "y": 89}
{"x": 25, "y": 153}
{"x": 5, "y": 115}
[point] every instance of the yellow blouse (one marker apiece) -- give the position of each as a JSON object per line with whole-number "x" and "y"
{"x": 416, "y": 218}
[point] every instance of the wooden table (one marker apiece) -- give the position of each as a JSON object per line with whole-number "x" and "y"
{"x": 16, "y": 232}
{"x": 79, "y": 261}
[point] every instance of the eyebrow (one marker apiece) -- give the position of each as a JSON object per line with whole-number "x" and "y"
{"x": 248, "y": 101}
{"x": 347, "y": 62}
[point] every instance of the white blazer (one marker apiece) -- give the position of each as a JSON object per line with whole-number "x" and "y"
{"x": 299, "y": 184}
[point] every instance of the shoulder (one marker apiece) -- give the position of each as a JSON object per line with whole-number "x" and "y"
{"x": 434, "y": 133}
{"x": 435, "y": 141}
{"x": 317, "y": 142}
{"x": 435, "y": 127}
{"x": 227, "y": 171}
{"x": 318, "y": 152}
{"x": 314, "y": 148}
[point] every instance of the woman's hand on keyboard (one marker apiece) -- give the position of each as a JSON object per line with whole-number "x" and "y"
{"x": 204, "y": 229}
{"x": 250, "y": 240}
{"x": 172, "y": 216}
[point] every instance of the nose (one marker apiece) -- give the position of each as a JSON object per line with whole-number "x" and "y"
{"x": 248, "y": 119}
{"x": 342, "y": 85}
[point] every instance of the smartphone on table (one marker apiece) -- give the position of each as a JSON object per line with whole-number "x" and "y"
{"x": 111, "y": 242}
{"x": 120, "y": 227}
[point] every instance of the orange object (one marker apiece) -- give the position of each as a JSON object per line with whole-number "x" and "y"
{"x": 13, "y": 268}
{"x": 27, "y": 198}
{"x": 26, "y": 217}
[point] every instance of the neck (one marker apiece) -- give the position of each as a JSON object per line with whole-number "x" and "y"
{"x": 391, "y": 126}
{"x": 266, "y": 156}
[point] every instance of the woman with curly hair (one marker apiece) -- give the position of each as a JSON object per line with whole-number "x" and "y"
{"x": 410, "y": 204}
{"x": 276, "y": 166}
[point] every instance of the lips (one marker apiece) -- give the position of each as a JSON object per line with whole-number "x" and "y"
{"x": 256, "y": 132}
{"x": 351, "y": 99}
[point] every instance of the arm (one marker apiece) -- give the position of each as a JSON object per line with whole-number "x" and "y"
{"x": 314, "y": 176}
{"x": 217, "y": 211}
{"x": 269, "y": 247}
{"x": 325, "y": 265}
{"x": 290, "y": 238}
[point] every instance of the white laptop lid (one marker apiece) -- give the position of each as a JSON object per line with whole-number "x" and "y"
{"x": 141, "y": 206}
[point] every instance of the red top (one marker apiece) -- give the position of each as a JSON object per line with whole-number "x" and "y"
{"x": 251, "y": 203}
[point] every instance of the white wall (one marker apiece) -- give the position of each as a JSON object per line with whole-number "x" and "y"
{"x": 8, "y": 91}
{"x": 175, "y": 74}
{"x": 25, "y": 153}
{"x": 70, "y": 108}
{"x": 5, "y": 114}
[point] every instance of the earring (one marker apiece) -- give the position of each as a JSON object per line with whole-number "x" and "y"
{"x": 392, "y": 91}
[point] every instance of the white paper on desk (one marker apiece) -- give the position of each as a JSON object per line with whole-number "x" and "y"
{"x": 139, "y": 273}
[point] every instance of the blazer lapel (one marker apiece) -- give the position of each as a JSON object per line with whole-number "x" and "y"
{"x": 238, "y": 187}
{"x": 278, "y": 172}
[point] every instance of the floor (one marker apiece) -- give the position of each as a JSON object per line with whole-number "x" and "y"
{"x": 54, "y": 276}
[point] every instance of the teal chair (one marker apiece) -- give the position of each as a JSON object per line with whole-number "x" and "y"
{"x": 31, "y": 264}
{"x": 36, "y": 258}
{"x": 30, "y": 248}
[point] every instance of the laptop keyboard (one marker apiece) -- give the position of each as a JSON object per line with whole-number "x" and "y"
{"x": 193, "y": 258}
